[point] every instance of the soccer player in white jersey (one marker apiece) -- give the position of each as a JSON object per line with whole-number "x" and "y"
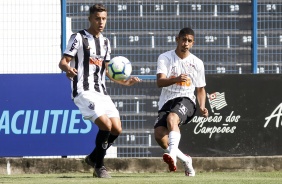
{"x": 179, "y": 73}
{"x": 85, "y": 62}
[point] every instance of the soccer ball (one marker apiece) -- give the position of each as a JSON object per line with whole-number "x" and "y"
{"x": 119, "y": 68}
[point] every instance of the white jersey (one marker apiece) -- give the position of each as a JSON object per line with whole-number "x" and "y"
{"x": 89, "y": 57}
{"x": 172, "y": 66}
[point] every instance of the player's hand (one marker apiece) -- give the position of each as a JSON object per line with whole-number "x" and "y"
{"x": 71, "y": 73}
{"x": 132, "y": 80}
{"x": 204, "y": 112}
{"x": 182, "y": 78}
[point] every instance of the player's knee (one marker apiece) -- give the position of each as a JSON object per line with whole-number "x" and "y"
{"x": 116, "y": 130}
{"x": 172, "y": 121}
{"x": 104, "y": 123}
{"x": 172, "y": 118}
{"x": 106, "y": 127}
{"x": 116, "y": 126}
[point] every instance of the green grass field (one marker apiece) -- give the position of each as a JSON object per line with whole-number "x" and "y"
{"x": 148, "y": 178}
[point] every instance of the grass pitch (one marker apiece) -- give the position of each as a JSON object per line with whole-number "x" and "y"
{"x": 148, "y": 178}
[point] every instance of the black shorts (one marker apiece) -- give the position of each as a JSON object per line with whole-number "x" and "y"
{"x": 184, "y": 107}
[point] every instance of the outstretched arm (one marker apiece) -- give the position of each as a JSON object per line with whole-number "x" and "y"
{"x": 128, "y": 82}
{"x": 201, "y": 96}
{"x": 64, "y": 66}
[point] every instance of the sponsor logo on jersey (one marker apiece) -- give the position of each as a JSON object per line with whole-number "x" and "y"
{"x": 186, "y": 83}
{"x": 73, "y": 45}
{"x": 91, "y": 105}
{"x": 95, "y": 61}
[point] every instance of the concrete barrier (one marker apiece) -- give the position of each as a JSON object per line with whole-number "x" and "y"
{"x": 133, "y": 165}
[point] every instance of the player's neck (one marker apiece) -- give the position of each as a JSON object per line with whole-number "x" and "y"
{"x": 93, "y": 32}
{"x": 182, "y": 55}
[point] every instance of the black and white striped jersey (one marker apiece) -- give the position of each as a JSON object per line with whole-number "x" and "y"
{"x": 89, "y": 56}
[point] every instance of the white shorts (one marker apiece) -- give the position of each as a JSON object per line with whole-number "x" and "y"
{"x": 93, "y": 105}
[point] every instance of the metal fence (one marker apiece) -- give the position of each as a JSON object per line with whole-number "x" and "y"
{"x": 269, "y": 36}
{"x": 141, "y": 30}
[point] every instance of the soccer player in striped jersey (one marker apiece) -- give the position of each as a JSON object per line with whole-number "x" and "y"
{"x": 179, "y": 74}
{"x": 85, "y": 63}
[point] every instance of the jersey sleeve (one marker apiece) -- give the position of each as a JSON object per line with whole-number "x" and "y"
{"x": 201, "y": 80}
{"x": 73, "y": 45}
{"x": 162, "y": 64}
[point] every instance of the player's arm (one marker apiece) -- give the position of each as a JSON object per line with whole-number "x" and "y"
{"x": 163, "y": 81}
{"x": 201, "y": 96}
{"x": 64, "y": 66}
{"x": 129, "y": 82}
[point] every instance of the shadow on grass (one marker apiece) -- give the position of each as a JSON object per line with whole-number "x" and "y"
{"x": 67, "y": 177}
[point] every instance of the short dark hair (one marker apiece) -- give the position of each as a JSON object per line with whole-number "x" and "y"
{"x": 186, "y": 31}
{"x": 97, "y": 8}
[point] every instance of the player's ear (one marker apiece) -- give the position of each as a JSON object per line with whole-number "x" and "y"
{"x": 176, "y": 38}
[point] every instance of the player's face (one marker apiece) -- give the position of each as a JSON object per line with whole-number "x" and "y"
{"x": 98, "y": 21}
{"x": 185, "y": 43}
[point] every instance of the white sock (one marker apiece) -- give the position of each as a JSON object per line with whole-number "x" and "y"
{"x": 181, "y": 156}
{"x": 174, "y": 139}
{"x": 166, "y": 150}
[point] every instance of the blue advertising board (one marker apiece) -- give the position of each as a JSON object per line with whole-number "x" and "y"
{"x": 38, "y": 117}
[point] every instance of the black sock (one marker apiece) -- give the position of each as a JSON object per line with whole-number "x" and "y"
{"x": 92, "y": 155}
{"x": 101, "y": 147}
{"x": 111, "y": 139}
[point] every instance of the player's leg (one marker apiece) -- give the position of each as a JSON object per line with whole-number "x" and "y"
{"x": 97, "y": 114}
{"x": 82, "y": 102}
{"x": 112, "y": 124}
{"x": 190, "y": 109}
{"x": 113, "y": 114}
{"x": 179, "y": 154}
{"x": 173, "y": 138}
{"x": 186, "y": 161}
{"x": 160, "y": 129}
{"x": 181, "y": 109}
{"x": 161, "y": 134}
{"x": 96, "y": 157}
{"x": 91, "y": 159}
{"x": 115, "y": 131}
{"x": 104, "y": 124}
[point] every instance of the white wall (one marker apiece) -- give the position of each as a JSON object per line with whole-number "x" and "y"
{"x": 30, "y": 35}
